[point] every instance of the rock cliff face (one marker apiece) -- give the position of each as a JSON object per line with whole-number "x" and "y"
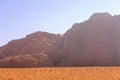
{"x": 94, "y": 42}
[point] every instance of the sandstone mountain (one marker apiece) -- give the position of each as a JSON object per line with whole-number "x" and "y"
{"x": 94, "y": 42}
{"x": 34, "y": 50}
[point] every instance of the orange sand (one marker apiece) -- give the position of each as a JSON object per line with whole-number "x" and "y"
{"x": 67, "y": 73}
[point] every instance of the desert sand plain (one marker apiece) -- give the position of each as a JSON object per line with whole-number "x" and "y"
{"x": 61, "y": 73}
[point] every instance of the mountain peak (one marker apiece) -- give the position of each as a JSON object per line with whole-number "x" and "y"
{"x": 100, "y": 15}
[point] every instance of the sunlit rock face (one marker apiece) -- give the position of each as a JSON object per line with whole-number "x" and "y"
{"x": 34, "y": 50}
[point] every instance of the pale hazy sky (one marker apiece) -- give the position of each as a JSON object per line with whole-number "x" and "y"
{"x": 21, "y": 17}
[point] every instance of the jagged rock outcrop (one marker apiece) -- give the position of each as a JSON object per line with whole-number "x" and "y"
{"x": 94, "y": 42}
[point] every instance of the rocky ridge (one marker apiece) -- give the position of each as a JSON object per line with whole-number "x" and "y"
{"x": 94, "y": 42}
